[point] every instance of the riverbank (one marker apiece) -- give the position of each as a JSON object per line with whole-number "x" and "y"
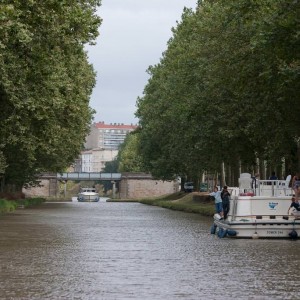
{"x": 199, "y": 203}
{"x": 11, "y": 205}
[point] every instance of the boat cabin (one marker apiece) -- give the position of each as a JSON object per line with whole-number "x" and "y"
{"x": 260, "y": 198}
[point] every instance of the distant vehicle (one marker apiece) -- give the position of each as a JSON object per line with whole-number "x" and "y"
{"x": 188, "y": 187}
{"x": 203, "y": 187}
{"x": 88, "y": 194}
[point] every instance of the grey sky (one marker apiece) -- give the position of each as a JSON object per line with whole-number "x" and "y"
{"x": 133, "y": 36}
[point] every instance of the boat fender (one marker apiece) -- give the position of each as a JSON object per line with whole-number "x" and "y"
{"x": 255, "y": 235}
{"x": 217, "y": 216}
{"x": 293, "y": 234}
{"x": 213, "y": 228}
{"x": 231, "y": 232}
{"x": 222, "y": 233}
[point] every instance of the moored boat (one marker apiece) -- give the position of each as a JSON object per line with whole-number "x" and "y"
{"x": 88, "y": 194}
{"x": 259, "y": 209}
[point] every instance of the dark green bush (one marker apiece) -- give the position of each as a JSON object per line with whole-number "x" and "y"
{"x": 10, "y": 205}
{"x": 7, "y": 205}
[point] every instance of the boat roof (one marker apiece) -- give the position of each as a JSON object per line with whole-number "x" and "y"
{"x": 87, "y": 189}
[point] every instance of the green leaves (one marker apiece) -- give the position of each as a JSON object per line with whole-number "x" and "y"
{"x": 45, "y": 84}
{"x": 225, "y": 89}
{"x": 128, "y": 157}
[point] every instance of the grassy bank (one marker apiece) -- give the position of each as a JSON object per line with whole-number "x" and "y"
{"x": 123, "y": 200}
{"x": 191, "y": 202}
{"x": 198, "y": 203}
{"x": 11, "y": 205}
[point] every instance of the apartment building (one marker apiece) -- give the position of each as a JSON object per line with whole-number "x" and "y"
{"x": 86, "y": 161}
{"x": 102, "y": 145}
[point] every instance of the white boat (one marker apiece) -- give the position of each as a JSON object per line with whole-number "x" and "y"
{"x": 88, "y": 194}
{"x": 259, "y": 209}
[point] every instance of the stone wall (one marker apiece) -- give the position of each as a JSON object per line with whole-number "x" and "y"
{"x": 48, "y": 188}
{"x": 38, "y": 191}
{"x": 135, "y": 186}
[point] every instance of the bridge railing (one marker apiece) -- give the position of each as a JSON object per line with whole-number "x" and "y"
{"x": 89, "y": 176}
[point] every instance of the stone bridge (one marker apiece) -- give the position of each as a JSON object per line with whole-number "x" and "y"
{"x": 125, "y": 185}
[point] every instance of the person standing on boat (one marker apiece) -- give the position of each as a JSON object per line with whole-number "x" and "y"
{"x": 296, "y": 185}
{"x": 225, "y": 195}
{"x": 255, "y": 179}
{"x": 273, "y": 176}
{"x": 218, "y": 201}
{"x": 295, "y": 204}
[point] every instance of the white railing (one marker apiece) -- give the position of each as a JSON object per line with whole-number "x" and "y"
{"x": 273, "y": 188}
{"x": 249, "y": 185}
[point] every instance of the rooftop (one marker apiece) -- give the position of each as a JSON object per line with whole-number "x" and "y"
{"x": 102, "y": 125}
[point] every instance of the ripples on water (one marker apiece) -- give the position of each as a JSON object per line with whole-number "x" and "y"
{"x": 133, "y": 251}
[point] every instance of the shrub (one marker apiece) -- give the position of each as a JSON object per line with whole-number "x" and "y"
{"x": 7, "y": 205}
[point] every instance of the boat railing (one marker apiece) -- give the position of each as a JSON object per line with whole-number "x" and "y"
{"x": 274, "y": 188}
{"x": 87, "y": 190}
{"x": 271, "y": 188}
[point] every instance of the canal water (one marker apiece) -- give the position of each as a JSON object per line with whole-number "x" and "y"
{"x": 124, "y": 251}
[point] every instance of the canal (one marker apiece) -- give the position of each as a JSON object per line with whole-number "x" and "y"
{"x": 124, "y": 251}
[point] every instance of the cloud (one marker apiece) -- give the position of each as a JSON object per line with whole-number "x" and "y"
{"x": 133, "y": 36}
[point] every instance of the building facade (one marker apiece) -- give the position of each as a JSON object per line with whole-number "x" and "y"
{"x": 102, "y": 145}
{"x": 87, "y": 161}
{"x": 107, "y": 136}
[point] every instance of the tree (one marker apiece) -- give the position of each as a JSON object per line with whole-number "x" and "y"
{"x": 111, "y": 166}
{"x": 128, "y": 156}
{"x": 45, "y": 84}
{"x": 226, "y": 81}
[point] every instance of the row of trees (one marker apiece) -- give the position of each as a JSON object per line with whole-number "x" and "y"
{"x": 45, "y": 85}
{"x": 225, "y": 93}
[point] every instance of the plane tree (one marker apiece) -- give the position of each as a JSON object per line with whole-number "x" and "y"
{"x": 260, "y": 44}
{"x": 225, "y": 90}
{"x": 45, "y": 85}
{"x": 128, "y": 157}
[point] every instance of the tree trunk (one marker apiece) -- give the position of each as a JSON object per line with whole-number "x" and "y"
{"x": 298, "y": 156}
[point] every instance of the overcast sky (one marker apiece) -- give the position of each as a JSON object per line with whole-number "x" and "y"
{"x": 133, "y": 35}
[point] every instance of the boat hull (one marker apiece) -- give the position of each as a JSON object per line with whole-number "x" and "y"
{"x": 263, "y": 229}
{"x": 88, "y": 198}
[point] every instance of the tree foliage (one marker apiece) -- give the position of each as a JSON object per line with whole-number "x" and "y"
{"x": 111, "y": 166}
{"x": 225, "y": 90}
{"x": 45, "y": 84}
{"x": 129, "y": 159}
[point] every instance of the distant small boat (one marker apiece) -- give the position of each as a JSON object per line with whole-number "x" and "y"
{"x": 88, "y": 194}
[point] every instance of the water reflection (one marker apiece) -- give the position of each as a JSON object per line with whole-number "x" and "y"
{"x": 133, "y": 251}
